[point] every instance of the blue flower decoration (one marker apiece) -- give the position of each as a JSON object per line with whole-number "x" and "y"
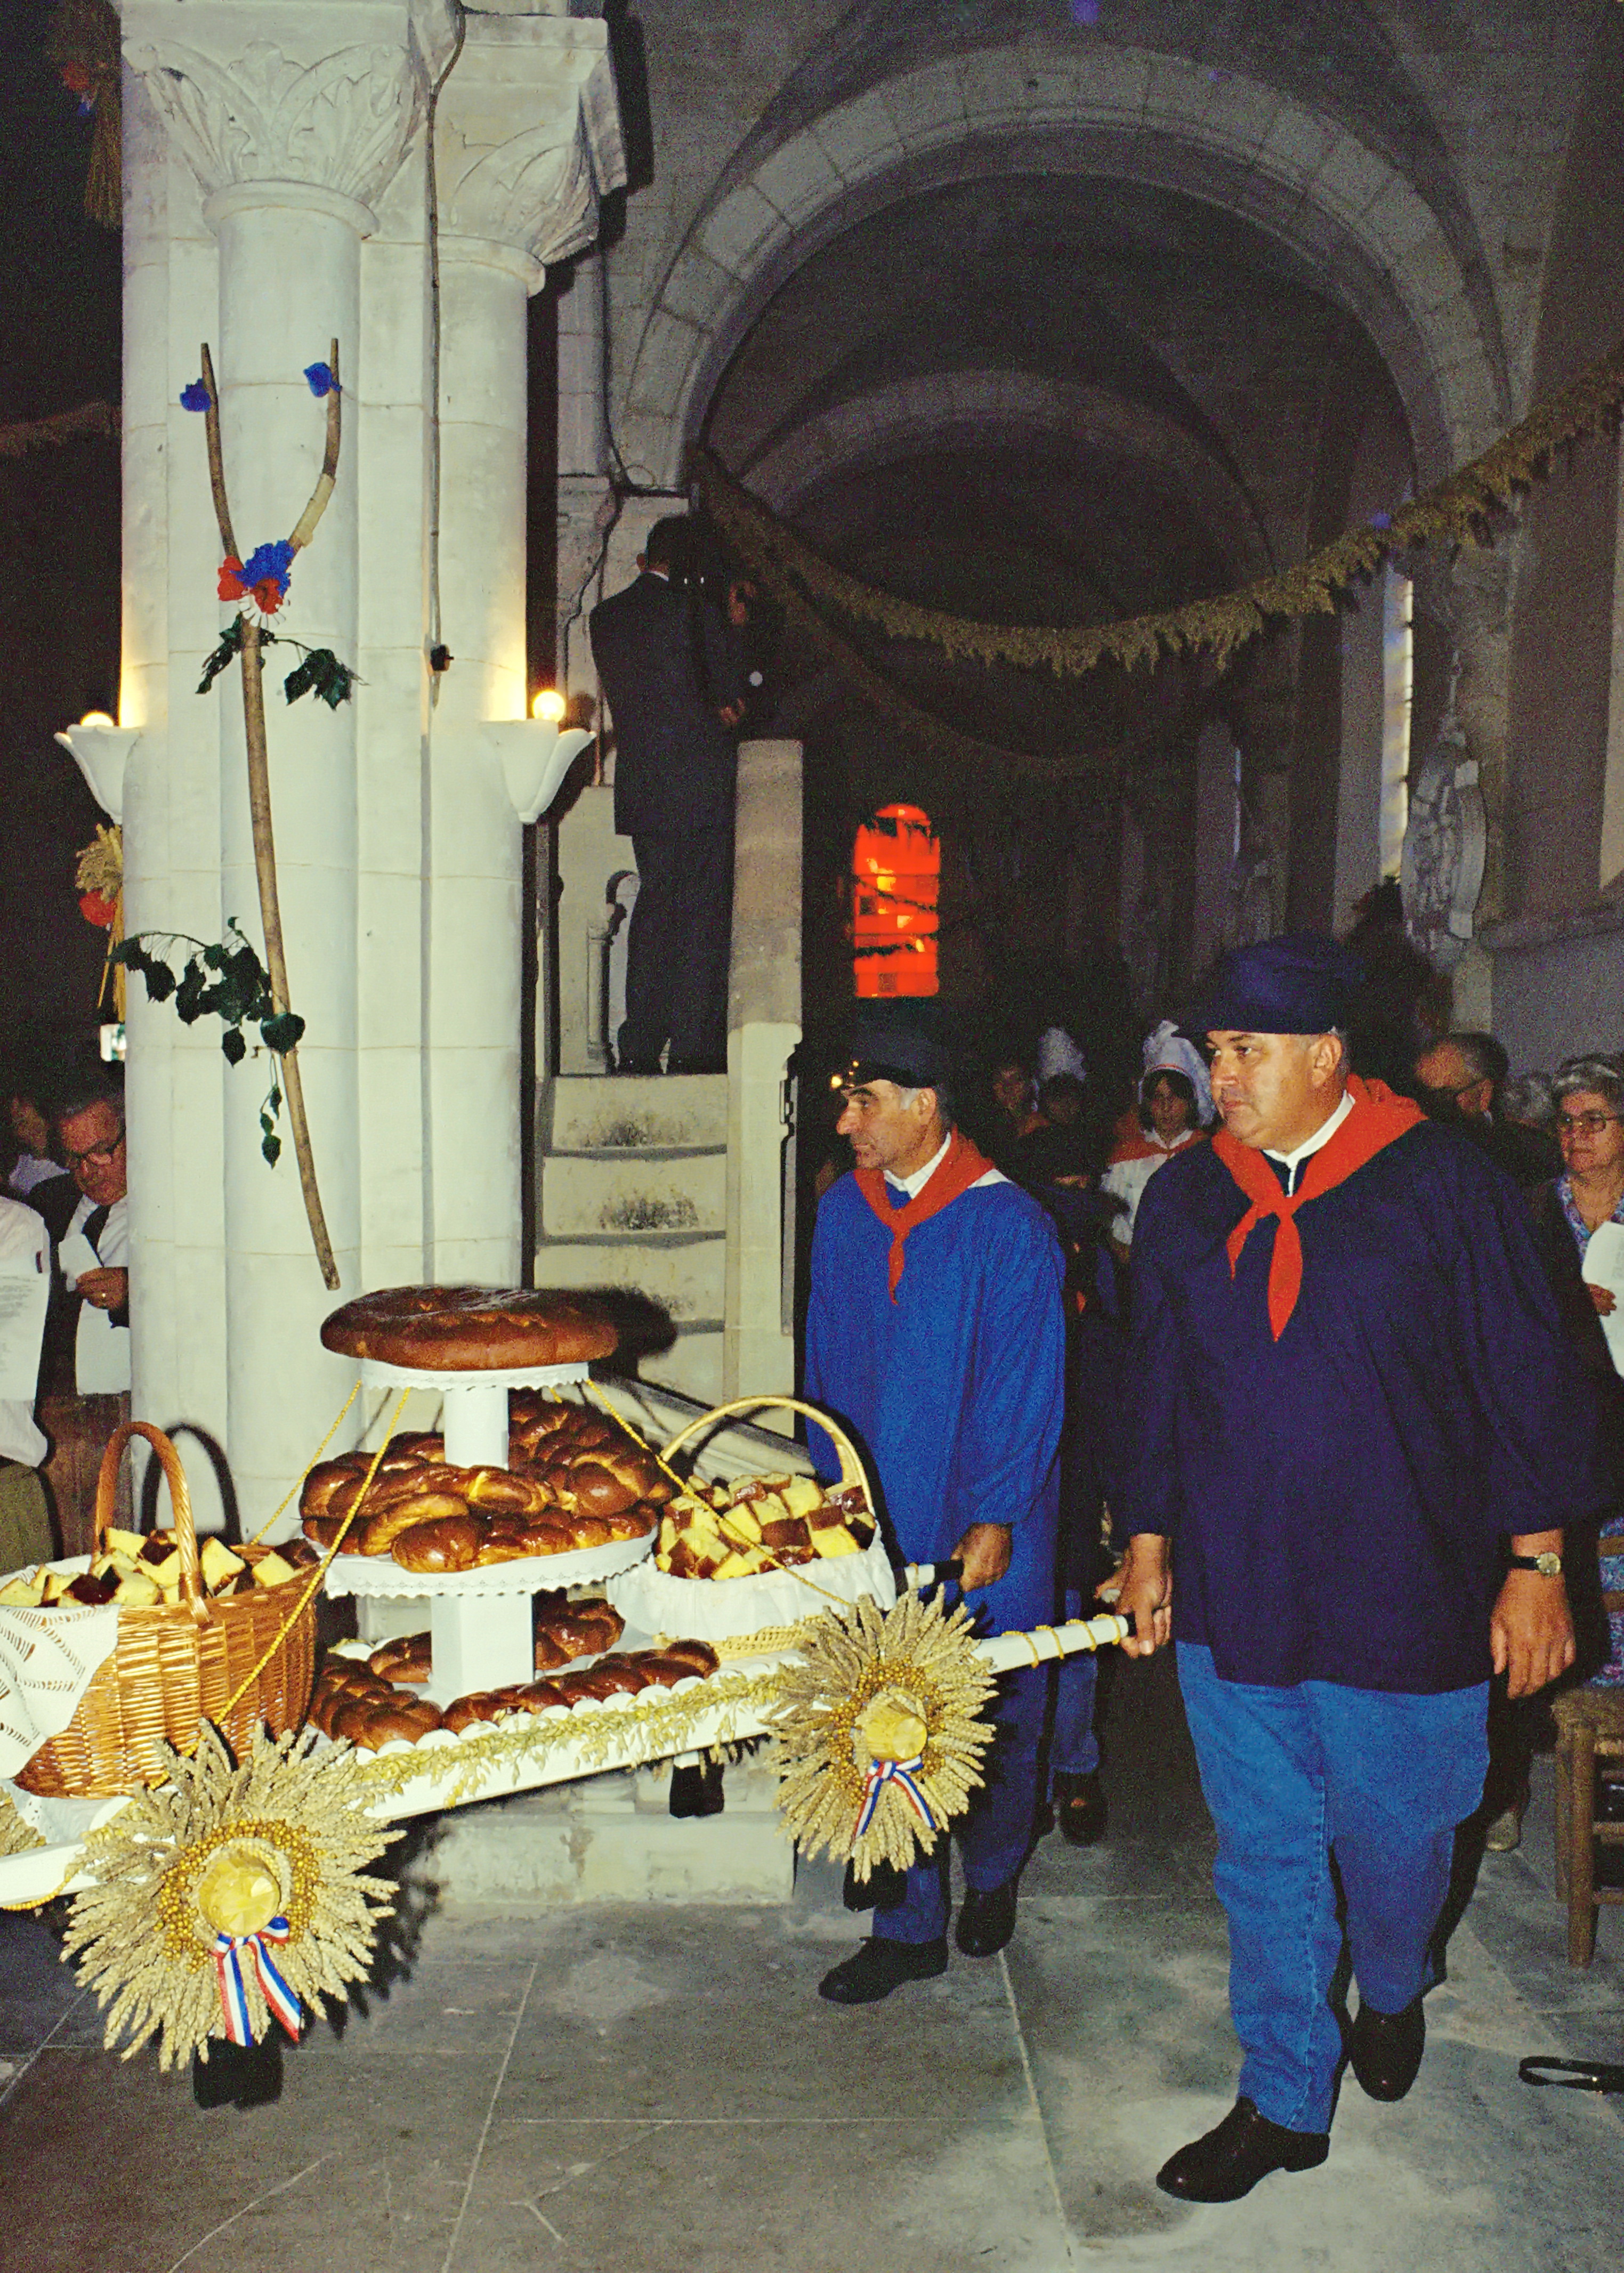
{"x": 321, "y": 380}
{"x": 194, "y": 397}
{"x": 1381, "y": 521}
{"x": 269, "y": 563}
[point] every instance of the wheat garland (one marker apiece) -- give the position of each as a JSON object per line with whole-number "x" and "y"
{"x": 882, "y": 1715}
{"x": 599, "y": 1740}
{"x": 17, "y": 1833}
{"x": 144, "y": 1934}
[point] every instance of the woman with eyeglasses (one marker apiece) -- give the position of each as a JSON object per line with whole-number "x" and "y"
{"x": 1568, "y": 1210}
{"x": 1590, "y": 1192}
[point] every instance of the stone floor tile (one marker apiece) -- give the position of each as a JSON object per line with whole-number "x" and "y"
{"x": 38, "y": 1993}
{"x": 111, "y": 2168}
{"x": 641, "y": 2013}
{"x": 903, "y": 2186}
{"x": 451, "y": 2010}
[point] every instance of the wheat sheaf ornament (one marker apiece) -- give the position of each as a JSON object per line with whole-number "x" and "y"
{"x": 229, "y": 1898}
{"x": 880, "y": 1730}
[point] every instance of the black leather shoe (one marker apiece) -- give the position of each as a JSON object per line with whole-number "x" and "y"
{"x": 1385, "y": 2048}
{"x": 987, "y": 1921}
{"x": 879, "y": 1966}
{"x": 1080, "y": 1809}
{"x": 698, "y": 1791}
{"x": 1228, "y": 2162}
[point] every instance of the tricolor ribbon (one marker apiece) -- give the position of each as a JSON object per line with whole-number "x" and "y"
{"x": 229, "y": 1951}
{"x": 898, "y": 1772}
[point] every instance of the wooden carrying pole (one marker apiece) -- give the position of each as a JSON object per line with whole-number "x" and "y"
{"x": 251, "y": 655}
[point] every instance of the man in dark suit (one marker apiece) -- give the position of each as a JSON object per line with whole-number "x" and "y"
{"x": 671, "y": 673}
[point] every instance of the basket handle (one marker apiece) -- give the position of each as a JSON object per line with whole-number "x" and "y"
{"x": 180, "y": 1502}
{"x": 852, "y": 1469}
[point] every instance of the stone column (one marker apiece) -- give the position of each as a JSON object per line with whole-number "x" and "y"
{"x": 763, "y": 1028}
{"x": 586, "y": 503}
{"x": 527, "y": 136}
{"x": 293, "y": 118}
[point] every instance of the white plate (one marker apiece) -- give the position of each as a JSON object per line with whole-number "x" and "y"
{"x": 375, "y": 1373}
{"x": 535, "y": 1574}
{"x": 713, "y": 1609}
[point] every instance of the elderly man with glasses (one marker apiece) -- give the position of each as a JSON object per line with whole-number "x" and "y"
{"x": 86, "y": 1377}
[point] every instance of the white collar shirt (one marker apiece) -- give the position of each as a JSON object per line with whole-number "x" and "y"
{"x": 1292, "y": 1161}
{"x": 22, "y": 1238}
{"x": 914, "y": 1185}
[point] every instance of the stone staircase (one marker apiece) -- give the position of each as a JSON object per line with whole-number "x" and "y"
{"x": 634, "y": 1174}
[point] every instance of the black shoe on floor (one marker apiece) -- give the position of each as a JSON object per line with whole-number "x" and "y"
{"x": 1080, "y": 1809}
{"x": 1385, "y": 2048}
{"x": 698, "y": 1791}
{"x": 1226, "y": 2163}
{"x": 987, "y": 1921}
{"x": 879, "y": 1966}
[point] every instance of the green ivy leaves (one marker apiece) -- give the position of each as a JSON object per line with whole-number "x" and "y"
{"x": 318, "y": 671}
{"x": 225, "y": 979}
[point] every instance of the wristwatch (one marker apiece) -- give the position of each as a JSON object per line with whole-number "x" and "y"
{"x": 1548, "y": 1566}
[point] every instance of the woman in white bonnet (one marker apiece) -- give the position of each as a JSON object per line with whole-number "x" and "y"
{"x": 1175, "y": 1105}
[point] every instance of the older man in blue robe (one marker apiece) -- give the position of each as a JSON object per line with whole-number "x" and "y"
{"x": 1359, "y": 1431}
{"x": 936, "y": 1330}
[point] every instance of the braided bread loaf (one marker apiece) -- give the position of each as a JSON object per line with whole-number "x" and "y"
{"x": 576, "y": 1480}
{"x": 565, "y": 1631}
{"x": 360, "y": 1706}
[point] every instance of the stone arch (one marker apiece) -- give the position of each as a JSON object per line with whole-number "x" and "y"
{"x": 884, "y": 421}
{"x": 1359, "y": 224}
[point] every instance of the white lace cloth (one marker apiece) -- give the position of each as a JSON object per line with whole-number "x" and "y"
{"x": 47, "y": 1659}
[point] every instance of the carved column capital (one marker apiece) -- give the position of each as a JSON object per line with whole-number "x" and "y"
{"x": 255, "y": 94}
{"x": 528, "y": 138}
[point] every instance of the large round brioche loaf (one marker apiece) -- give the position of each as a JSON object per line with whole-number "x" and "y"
{"x": 470, "y": 1329}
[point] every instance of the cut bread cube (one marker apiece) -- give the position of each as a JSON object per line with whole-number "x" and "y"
{"x": 127, "y": 1543}
{"x": 218, "y": 1563}
{"x": 24, "y": 1593}
{"x": 832, "y": 1544}
{"x": 741, "y": 1523}
{"x": 271, "y": 1571}
{"x": 138, "y": 1591}
{"x": 157, "y": 1547}
{"x": 800, "y": 1493}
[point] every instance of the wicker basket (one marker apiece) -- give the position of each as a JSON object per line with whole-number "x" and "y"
{"x": 717, "y": 1610}
{"x": 177, "y": 1666}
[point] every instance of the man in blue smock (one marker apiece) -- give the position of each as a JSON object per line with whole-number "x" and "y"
{"x": 936, "y": 1330}
{"x": 1357, "y": 1431}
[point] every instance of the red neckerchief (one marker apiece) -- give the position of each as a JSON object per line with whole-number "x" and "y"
{"x": 963, "y": 1167}
{"x": 1379, "y": 1117}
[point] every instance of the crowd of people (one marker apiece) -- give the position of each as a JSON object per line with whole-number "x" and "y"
{"x": 64, "y": 1220}
{"x": 1309, "y": 1367}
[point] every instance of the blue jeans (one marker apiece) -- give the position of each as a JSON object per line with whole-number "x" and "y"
{"x": 1073, "y": 1748}
{"x": 1291, "y": 1776}
{"x": 995, "y": 1832}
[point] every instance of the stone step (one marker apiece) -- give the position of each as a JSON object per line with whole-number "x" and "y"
{"x": 632, "y": 1193}
{"x": 603, "y": 1113}
{"x": 614, "y": 1839}
{"x": 684, "y": 1273}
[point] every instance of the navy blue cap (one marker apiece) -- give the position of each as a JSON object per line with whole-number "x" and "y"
{"x": 899, "y": 1041}
{"x": 1297, "y": 983}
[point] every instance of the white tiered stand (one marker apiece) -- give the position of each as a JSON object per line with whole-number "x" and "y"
{"x": 480, "y": 1620}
